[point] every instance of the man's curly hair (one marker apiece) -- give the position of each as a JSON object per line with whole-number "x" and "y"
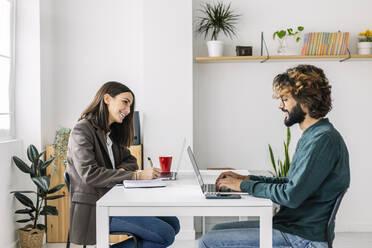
{"x": 308, "y": 85}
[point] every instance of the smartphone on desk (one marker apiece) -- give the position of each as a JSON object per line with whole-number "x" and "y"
{"x": 222, "y": 196}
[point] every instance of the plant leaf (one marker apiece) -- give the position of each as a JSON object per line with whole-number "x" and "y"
{"x": 55, "y": 189}
{"x": 272, "y": 160}
{"x": 24, "y": 211}
{"x": 300, "y": 28}
{"x": 24, "y": 200}
{"x": 21, "y": 165}
{"x": 32, "y": 153}
{"x": 54, "y": 197}
{"x": 49, "y": 210}
{"x": 24, "y": 220}
{"x": 41, "y": 226}
{"x": 42, "y": 182}
{"x": 46, "y": 163}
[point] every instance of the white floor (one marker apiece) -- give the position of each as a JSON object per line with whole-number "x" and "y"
{"x": 343, "y": 240}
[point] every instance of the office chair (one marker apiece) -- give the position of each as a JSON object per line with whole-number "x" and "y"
{"x": 67, "y": 182}
{"x": 331, "y": 221}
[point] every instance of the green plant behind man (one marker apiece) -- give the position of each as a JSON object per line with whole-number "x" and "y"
{"x": 281, "y": 168}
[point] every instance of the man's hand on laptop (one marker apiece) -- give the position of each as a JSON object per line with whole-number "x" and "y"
{"x": 230, "y": 182}
{"x": 231, "y": 174}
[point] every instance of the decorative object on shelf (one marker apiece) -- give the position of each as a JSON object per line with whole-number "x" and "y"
{"x": 60, "y": 145}
{"x": 243, "y": 50}
{"x": 31, "y": 236}
{"x": 217, "y": 17}
{"x": 365, "y": 43}
{"x": 282, "y": 38}
{"x": 323, "y": 43}
{"x": 282, "y": 167}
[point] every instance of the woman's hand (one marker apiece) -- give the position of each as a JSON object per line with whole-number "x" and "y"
{"x": 148, "y": 174}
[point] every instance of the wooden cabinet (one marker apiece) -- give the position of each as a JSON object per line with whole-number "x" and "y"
{"x": 58, "y": 226}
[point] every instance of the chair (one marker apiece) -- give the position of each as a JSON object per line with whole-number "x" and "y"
{"x": 331, "y": 221}
{"x": 67, "y": 182}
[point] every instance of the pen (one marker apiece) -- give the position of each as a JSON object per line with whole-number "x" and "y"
{"x": 150, "y": 162}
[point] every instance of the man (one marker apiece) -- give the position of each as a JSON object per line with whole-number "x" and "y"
{"x": 319, "y": 171}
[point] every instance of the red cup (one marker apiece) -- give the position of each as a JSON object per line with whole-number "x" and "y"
{"x": 165, "y": 163}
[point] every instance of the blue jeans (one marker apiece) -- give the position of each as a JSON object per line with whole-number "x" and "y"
{"x": 246, "y": 234}
{"x": 151, "y": 232}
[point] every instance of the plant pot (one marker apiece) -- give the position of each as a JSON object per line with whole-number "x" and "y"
{"x": 30, "y": 238}
{"x": 282, "y": 47}
{"x": 365, "y": 47}
{"x": 215, "y": 48}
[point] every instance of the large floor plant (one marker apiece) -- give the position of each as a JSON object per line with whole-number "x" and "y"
{"x": 34, "y": 209}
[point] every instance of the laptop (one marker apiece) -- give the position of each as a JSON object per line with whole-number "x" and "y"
{"x": 172, "y": 175}
{"x": 210, "y": 190}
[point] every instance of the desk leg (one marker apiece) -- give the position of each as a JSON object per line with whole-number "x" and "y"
{"x": 102, "y": 227}
{"x": 266, "y": 228}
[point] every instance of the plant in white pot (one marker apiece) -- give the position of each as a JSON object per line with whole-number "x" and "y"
{"x": 365, "y": 42}
{"x": 217, "y": 17}
{"x": 31, "y": 236}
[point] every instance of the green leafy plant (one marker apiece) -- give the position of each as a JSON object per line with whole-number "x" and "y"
{"x": 288, "y": 32}
{"x": 281, "y": 168}
{"x": 60, "y": 145}
{"x": 37, "y": 172}
{"x": 217, "y": 17}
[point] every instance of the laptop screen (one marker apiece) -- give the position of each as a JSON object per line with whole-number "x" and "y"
{"x": 196, "y": 169}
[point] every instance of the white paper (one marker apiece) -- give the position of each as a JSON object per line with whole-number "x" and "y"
{"x": 144, "y": 183}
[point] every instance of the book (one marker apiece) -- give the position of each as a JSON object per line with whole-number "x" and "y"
{"x": 154, "y": 183}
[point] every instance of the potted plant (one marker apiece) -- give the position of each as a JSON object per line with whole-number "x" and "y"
{"x": 365, "y": 42}
{"x": 216, "y": 17}
{"x": 31, "y": 236}
{"x": 60, "y": 145}
{"x": 282, "y": 38}
{"x": 282, "y": 167}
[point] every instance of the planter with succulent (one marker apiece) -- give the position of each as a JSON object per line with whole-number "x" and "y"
{"x": 365, "y": 42}
{"x": 281, "y": 168}
{"x": 216, "y": 17}
{"x": 282, "y": 36}
{"x": 31, "y": 236}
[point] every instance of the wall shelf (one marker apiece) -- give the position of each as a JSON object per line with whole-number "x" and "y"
{"x": 277, "y": 57}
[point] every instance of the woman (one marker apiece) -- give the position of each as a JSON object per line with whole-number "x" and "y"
{"x": 98, "y": 159}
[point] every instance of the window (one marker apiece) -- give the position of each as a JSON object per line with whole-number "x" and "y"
{"x": 6, "y": 69}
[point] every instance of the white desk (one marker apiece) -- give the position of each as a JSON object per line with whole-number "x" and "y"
{"x": 180, "y": 198}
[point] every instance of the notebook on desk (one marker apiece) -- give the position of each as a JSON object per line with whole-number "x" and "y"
{"x": 211, "y": 189}
{"x": 154, "y": 183}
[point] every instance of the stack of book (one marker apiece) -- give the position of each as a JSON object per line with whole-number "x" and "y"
{"x": 322, "y": 43}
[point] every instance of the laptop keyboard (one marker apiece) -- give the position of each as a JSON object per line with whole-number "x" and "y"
{"x": 212, "y": 188}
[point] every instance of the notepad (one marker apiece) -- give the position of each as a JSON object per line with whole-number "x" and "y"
{"x": 154, "y": 183}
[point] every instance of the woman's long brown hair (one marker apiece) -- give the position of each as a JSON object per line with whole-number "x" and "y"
{"x": 97, "y": 111}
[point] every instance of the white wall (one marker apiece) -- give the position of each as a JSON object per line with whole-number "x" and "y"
{"x": 235, "y": 117}
{"x": 167, "y": 77}
{"x": 86, "y": 43}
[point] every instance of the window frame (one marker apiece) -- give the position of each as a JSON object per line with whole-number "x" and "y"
{"x": 6, "y": 134}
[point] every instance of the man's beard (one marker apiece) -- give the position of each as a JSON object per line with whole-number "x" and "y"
{"x": 297, "y": 115}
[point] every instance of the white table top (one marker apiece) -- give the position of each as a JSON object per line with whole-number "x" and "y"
{"x": 184, "y": 192}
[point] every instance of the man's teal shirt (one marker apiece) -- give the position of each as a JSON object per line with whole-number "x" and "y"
{"x": 319, "y": 172}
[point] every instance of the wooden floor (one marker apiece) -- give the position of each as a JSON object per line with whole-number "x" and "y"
{"x": 343, "y": 240}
